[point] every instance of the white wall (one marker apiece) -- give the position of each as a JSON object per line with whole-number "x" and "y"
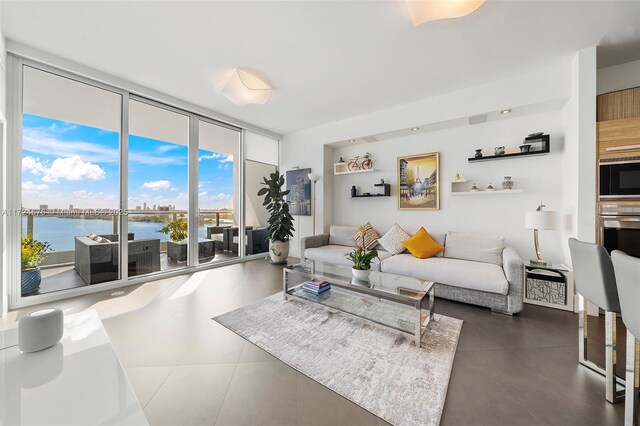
{"x": 538, "y": 176}
{"x": 3, "y": 132}
{"x": 618, "y": 77}
{"x": 536, "y": 99}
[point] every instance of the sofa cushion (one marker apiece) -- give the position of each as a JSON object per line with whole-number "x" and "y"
{"x": 454, "y": 272}
{"x": 439, "y": 238}
{"x": 476, "y": 247}
{"x": 421, "y": 245}
{"x": 366, "y": 236}
{"x": 336, "y": 254}
{"x": 342, "y": 235}
{"x": 392, "y": 240}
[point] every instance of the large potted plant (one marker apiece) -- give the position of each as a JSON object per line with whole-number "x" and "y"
{"x": 176, "y": 229}
{"x": 280, "y": 220}
{"x": 32, "y": 255}
{"x": 361, "y": 259}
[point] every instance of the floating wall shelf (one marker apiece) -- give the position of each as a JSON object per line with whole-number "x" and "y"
{"x": 386, "y": 188}
{"x": 539, "y": 145}
{"x": 497, "y": 191}
{"x": 453, "y": 191}
{"x": 343, "y": 169}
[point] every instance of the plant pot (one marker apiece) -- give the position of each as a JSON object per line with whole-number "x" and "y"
{"x": 278, "y": 251}
{"x": 31, "y": 279}
{"x": 177, "y": 251}
{"x": 361, "y": 274}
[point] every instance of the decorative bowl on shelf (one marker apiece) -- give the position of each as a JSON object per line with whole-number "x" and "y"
{"x": 474, "y": 188}
{"x": 490, "y": 188}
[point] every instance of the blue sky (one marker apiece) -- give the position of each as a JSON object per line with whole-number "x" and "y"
{"x": 64, "y": 163}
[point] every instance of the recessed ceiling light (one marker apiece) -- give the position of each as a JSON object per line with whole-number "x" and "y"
{"x": 505, "y": 111}
{"x": 415, "y": 129}
{"x": 352, "y": 140}
{"x": 117, "y": 293}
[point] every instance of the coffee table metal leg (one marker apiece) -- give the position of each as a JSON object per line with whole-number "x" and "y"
{"x": 418, "y": 327}
{"x": 284, "y": 283}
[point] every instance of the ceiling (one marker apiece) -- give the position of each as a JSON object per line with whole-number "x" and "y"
{"x": 326, "y": 60}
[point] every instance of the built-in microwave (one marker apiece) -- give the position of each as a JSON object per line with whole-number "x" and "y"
{"x": 620, "y": 178}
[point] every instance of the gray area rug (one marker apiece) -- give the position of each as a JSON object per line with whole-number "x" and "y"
{"x": 376, "y": 367}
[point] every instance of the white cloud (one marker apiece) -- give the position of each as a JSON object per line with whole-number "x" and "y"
{"x": 43, "y": 142}
{"x": 73, "y": 169}
{"x": 157, "y": 185}
{"x": 33, "y": 165}
{"x": 216, "y": 155}
{"x": 30, "y": 186}
{"x": 217, "y": 201}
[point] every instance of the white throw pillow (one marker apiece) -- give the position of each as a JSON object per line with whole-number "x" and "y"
{"x": 392, "y": 240}
{"x": 477, "y": 247}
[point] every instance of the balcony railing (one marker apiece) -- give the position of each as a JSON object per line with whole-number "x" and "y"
{"x": 61, "y": 235}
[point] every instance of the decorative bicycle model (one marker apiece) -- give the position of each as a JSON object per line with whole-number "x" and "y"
{"x": 360, "y": 163}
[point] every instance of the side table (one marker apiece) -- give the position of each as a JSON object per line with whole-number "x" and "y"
{"x": 549, "y": 285}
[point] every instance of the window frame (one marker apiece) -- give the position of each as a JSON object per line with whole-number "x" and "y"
{"x": 12, "y": 178}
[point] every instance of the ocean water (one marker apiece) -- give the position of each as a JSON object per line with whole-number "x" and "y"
{"x": 60, "y": 232}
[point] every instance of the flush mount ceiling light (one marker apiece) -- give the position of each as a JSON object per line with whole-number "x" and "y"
{"x": 415, "y": 129}
{"x": 505, "y": 111}
{"x": 243, "y": 88}
{"x": 352, "y": 140}
{"x": 422, "y": 11}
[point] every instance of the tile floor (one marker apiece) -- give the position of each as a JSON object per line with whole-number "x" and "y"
{"x": 188, "y": 370}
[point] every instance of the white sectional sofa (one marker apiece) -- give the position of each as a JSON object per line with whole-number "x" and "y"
{"x": 473, "y": 268}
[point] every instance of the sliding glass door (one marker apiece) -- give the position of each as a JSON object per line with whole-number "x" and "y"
{"x": 158, "y": 188}
{"x": 70, "y": 183}
{"x": 115, "y": 186}
{"x": 218, "y": 191}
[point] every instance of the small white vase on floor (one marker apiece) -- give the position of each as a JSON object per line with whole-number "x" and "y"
{"x": 361, "y": 274}
{"x": 278, "y": 251}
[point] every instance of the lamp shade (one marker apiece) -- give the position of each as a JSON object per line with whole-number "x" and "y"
{"x": 422, "y": 11}
{"x": 314, "y": 177}
{"x": 540, "y": 220}
{"x": 243, "y": 88}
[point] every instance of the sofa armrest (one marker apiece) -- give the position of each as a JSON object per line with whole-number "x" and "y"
{"x": 514, "y": 271}
{"x": 312, "y": 242}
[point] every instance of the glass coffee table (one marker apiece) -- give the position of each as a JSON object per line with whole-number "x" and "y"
{"x": 402, "y": 303}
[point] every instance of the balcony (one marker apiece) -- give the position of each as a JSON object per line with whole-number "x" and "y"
{"x": 65, "y": 268}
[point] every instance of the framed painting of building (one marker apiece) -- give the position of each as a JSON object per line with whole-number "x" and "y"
{"x": 299, "y": 197}
{"x": 419, "y": 182}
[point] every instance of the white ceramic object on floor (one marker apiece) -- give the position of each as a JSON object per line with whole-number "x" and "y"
{"x": 40, "y": 329}
{"x": 361, "y": 274}
{"x": 278, "y": 251}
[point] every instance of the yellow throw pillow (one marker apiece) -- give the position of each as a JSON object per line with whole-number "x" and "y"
{"x": 422, "y": 245}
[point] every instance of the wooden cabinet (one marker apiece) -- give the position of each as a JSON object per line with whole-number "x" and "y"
{"x": 619, "y": 138}
{"x": 618, "y": 105}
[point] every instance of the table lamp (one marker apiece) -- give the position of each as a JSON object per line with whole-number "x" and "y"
{"x": 537, "y": 220}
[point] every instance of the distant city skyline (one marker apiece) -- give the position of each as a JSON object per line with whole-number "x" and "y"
{"x": 67, "y": 164}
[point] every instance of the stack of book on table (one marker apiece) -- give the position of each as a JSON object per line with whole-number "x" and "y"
{"x": 316, "y": 286}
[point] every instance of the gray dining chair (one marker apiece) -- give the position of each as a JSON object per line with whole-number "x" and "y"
{"x": 595, "y": 280}
{"x": 627, "y": 269}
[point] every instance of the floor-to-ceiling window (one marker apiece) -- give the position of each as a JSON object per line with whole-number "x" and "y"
{"x": 100, "y": 205}
{"x": 218, "y": 189}
{"x": 261, "y": 160}
{"x": 158, "y": 188}
{"x": 70, "y": 183}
